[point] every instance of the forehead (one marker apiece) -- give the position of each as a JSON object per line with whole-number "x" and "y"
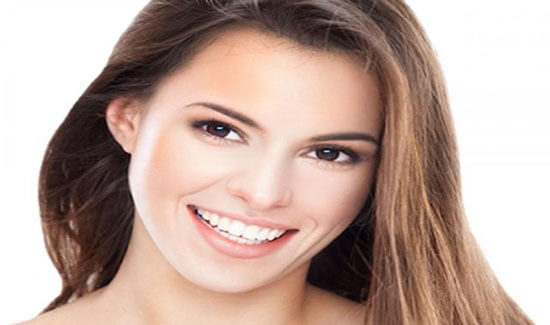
{"x": 276, "y": 80}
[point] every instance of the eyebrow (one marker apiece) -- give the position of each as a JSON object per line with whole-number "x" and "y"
{"x": 251, "y": 123}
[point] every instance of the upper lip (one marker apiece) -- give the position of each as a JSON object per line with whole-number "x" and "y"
{"x": 248, "y": 220}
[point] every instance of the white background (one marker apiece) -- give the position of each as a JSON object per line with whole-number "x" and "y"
{"x": 495, "y": 55}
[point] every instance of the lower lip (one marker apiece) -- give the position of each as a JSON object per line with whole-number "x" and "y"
{"x": 234, "y": 249}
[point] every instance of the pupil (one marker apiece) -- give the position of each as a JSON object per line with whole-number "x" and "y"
{"x": 217, "y": 129}
{"x": 330, "y": 154}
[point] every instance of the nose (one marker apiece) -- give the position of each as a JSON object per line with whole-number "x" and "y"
{"x": 262, "y": 184}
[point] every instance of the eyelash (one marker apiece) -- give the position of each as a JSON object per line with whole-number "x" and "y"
{"x": 198, "y": 125}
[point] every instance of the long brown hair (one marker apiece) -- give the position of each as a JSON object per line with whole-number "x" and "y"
{"x": 408, "y": 256}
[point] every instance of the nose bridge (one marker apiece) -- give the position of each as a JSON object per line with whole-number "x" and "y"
{"x": 264, "y": 180}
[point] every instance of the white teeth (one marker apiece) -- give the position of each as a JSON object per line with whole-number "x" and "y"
{"x": 239, "y": 231}
{"x": 224, "y": 224}
{"x": 272, "y": 234}
{"x": 205, "y": 215}
{"x": 237, "y": 239}
{"x": 262, "y": 235}
{"x": 251, "y": 232}
{"x": 214, "y": 219}
{"x": 236, "y": 228}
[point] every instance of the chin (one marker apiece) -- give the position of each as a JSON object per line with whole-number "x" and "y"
{"x": 229, "y": 284}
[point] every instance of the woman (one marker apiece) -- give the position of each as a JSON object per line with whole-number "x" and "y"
{"x": 277, "y": 162}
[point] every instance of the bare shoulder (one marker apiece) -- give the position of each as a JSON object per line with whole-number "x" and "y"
{"x": 79, "y": 311}
{"x": 55, "y": 316}
{"x": 65, "y": 314}
{"x": 329, "y": 308}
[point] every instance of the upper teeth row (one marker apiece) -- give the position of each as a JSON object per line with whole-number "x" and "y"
{"x": 239, "y": 228}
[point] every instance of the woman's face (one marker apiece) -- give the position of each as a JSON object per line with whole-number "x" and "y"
{"x": 264, "y": 161}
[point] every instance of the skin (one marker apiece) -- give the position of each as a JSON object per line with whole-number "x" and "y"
{"x": 170, "y": 275}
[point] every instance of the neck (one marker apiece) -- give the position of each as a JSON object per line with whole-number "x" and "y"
{"x": 149, "y": 290}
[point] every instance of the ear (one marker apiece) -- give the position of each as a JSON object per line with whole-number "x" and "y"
{"x": 123, "y": 116}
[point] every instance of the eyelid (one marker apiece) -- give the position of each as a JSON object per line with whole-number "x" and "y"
{"x": 344, "y": 149}
{"x": 354, "y": 157}
{"x": 200, "y": 123}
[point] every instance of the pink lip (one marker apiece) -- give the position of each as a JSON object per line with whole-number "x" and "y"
{"x": 249, "y": 221}
{"x": 234, "y": 249}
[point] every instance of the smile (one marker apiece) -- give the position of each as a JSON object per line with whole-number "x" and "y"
{"x": 238, "y": 239}
{"x": 238, "y": 231}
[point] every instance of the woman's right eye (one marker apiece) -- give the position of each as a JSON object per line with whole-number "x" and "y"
{"x": 217, "y": 130}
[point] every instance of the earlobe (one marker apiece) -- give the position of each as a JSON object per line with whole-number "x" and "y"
{"x": 122, "y": 118}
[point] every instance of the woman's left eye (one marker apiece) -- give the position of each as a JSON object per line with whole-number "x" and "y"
{"x": 217, "y": 130}
{"x": 324, "y": 154}
{"x": 332, "y": 154}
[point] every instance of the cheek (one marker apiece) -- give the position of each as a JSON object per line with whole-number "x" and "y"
{"x": 159, "y": 171}
{"x": 171, "y": 163}
{"x": 335, "y": 199}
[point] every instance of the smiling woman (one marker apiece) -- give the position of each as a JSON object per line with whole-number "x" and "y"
{"x": 294, "y": 161}
{"x": 254, "y": 170}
